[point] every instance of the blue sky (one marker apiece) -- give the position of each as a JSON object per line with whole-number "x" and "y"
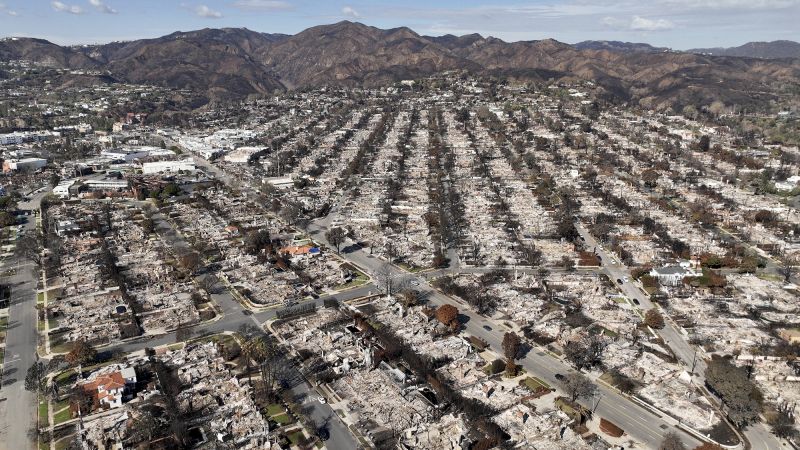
{"x": 678, "y": 24}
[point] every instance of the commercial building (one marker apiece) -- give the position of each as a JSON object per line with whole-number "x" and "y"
{"x": 186, "y": 165}
{"x": 27, "y": 164}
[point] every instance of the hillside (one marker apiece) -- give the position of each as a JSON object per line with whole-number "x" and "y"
{"x": 234, "y": 63}
{"x": 764, "y": 50}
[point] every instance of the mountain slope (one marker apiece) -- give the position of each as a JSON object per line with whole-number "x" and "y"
{"x": 44, "y": 52}
{"x": 764, "y": 50}
{"x": 234, "y": 63}
{"x": 352, "y": 53}
{"x": 618, "y": 46}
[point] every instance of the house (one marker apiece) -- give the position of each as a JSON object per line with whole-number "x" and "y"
{"x": 109, "y": 388}
{"x": 673, "y": 275}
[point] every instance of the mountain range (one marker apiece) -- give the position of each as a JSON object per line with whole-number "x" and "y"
{"x": 233, "y": 63}
{"x": 766, "y": 50}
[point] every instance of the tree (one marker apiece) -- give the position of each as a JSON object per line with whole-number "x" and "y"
{"x": 190, "y": 261}
{"x": 511, "y": 345}
{"x": 739, "y": 394}
{"x": 336, "y": 236}
{"x": 511, "y": 368}
{"x": 576, "y": 385}
{"x": 34, "y": 378}
{"x": 387, "y": 280}
{"x": 782, "y": 423}
{"x": 255, "y": 241}
{"x": 148, "y": 226}
{"x": 787, "y": 268}
{"x": 82, "y": 353}
{"x": 585, "y": 353}
{"x": 208, "y": 283}
{"x": 29, "y": 247}
{"x": 254, "y": 350}
{"x": 81, "y": 399}
{"x": 654, "y": 319}
{"x": 704, "y": 143}
{"x": 447, "y": 314}
{"x": 672, "y": 442}
{"x": 708, "y": 446}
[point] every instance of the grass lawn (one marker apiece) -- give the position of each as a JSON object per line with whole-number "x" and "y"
{"x": 44, "y": 421}
{"x": 274, "y": 409}
{"x": 533, "y": 383}
{"x": 65, "y": 377}
{"x": 770, "y": 277}
{"x": 3, "y": 322}
{"x": 40, "y": 297}
{"x": 62, "y": 416}
{"x": 282, "y": 419}
{"x": 63, "y": 444}
{"x": 295, "y": 437}
{"x": 360, "y": 280}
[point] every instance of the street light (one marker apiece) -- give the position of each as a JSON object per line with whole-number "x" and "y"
{"x": 599, "y": 396}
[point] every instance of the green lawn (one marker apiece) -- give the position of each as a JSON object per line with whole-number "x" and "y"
{"x": 44, "y": 421}
{"x": 40, "y": 297}
{"x": 282, "y": 419}
{"x": 295, "y": 437}
{"x": 62, "y": 416}
{"x": 65, "y": 377}
{"x": 3, "y": 322}
{"x": 274, "y": 409}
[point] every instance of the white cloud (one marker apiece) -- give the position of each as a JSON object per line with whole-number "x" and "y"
{"x": 63, "y": 7}
{"x": 205, "y": 11}
{"x": 262, "y": 5}
{"x": 102, "y": 7}
{"x": 638, "y": 23}
{"x": 350, "y": 12}
{"x": 12, "y": 13}
{"x": 733, "y": 4}
{"x": 645, "y": 24}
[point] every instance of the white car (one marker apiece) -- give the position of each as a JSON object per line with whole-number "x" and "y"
{"x": 322, "y": 400}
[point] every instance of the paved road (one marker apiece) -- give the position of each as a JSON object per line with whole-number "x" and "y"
{"x": 18, "y": 409}
{"x": 638, "y": 422}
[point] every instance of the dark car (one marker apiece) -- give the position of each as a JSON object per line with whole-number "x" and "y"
{"x": 559, "y": 377}
{"x": 487, "y": 328}
{"x": 619, "y": 281}
{"x": 635, "y": 302}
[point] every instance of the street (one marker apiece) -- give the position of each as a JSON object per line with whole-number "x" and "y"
{"x": 18, "y": 407}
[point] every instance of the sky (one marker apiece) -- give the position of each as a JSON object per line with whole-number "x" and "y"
{"x": 678, "y": 24}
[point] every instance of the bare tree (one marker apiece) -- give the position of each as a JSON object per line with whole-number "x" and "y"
{"x": 208, "y": 283}
{"x": 576, "y": 385}
{"x": 29, "y": 247}
{"x": 672, "y": 442}
{"x": 336, "y": 236}
{"x": 788, "y": 268}
{"x": 388, "y": 280}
